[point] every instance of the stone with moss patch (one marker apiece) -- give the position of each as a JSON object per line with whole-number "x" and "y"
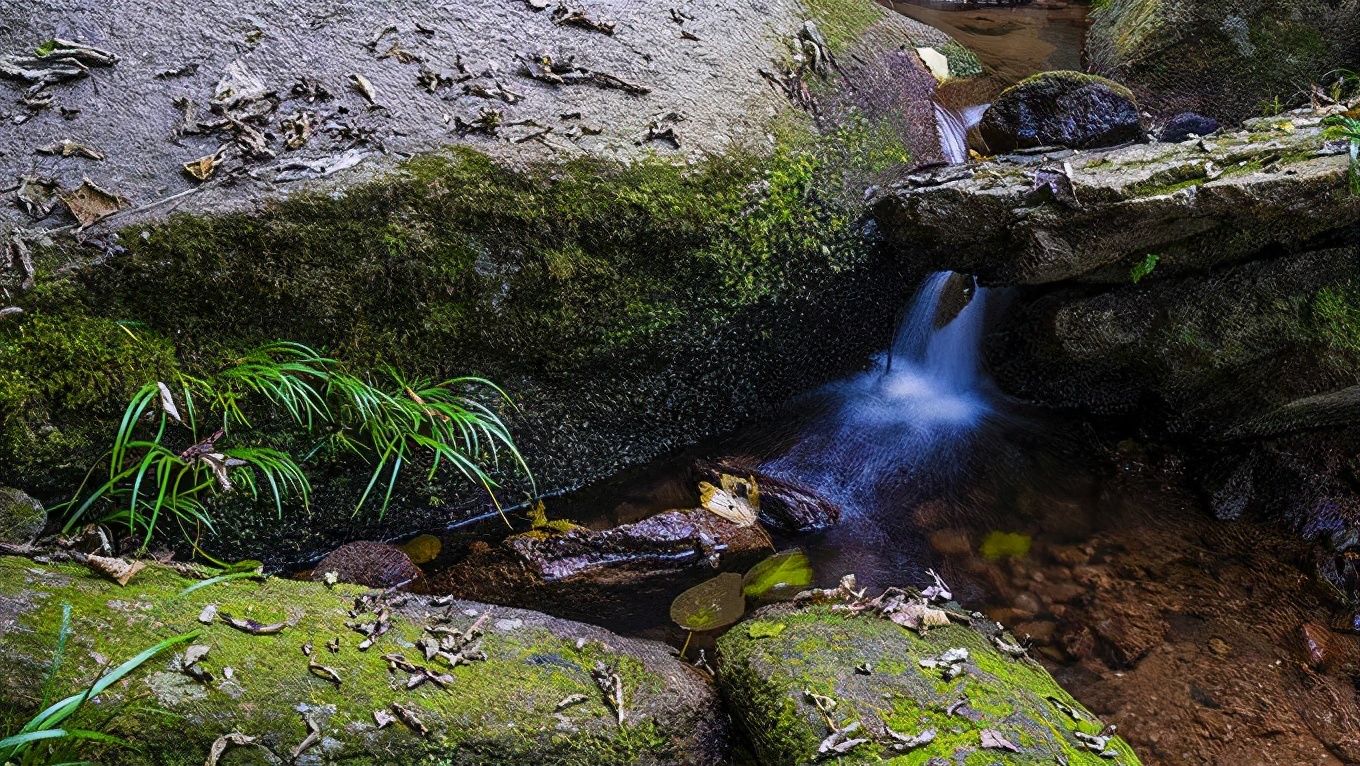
{"x": 501, "y": 710}
{"x": 768, "y": 678}
{"x": 1062, "y": 108}
{"x": 21, "y": 517}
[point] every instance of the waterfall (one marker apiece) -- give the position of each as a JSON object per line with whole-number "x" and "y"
{"x": 953, "y": 126}
{"x": 914, "y": 408}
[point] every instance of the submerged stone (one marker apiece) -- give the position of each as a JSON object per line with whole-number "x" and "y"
{"x": 506, "y": 708}
{"x": 621, "y": 572}
{"x": 377, "y": 565}
{"x": 887, "y": 685}
{"x": 1069, "y": 109}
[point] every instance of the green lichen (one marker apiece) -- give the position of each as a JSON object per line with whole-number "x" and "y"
{"x": 497, "y": 711}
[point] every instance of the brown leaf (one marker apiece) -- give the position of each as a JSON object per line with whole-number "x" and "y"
{"x": 235, "y": 739}
{"x": 383, "y": 718}
{"x": 202, "y": 168}
{"x": 118, "y": 570}
{"x": 313, "y": 736}
{"x": 90, "y": 204}
{"x": 321, "y": 671}
{"x": 409, "y": 717}
{"x": 250, "y": 626}
{"x": 995, "y": 740}
{"x": 194, "y": 653}
{"x": 68, "y": 148}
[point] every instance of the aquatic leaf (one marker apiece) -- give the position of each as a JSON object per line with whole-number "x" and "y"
{"x": 761, "y": 629}
{"x": 1001, "y": 545}
{"x": 423, "y": 548}
{"x": 711, "y": 604}
{"x": 779, "y": 576}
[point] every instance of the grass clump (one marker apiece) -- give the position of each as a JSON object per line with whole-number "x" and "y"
{"x": 170, "y": 455}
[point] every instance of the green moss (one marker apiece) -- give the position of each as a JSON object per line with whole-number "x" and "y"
{"x": 551, "y": 280}
{"x": 765, "y": 679}
{"x": 497, "y": 711}
{"x": 1336, "y": 315}
{"x": 843, "y": 22}
{"x": 1066, "y": 79}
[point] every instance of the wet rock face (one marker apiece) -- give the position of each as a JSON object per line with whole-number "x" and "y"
{"x": 1225, "y": 58}
{"x": 21, "y": 517}
{"x": 1062, "y": 109}
{"x": 623, "y": 572}
{"x": 784, "y": 505}
{"x": 504, "y": 701}
{"x": 376, "y": 565}
{"x": 788, "y": 672}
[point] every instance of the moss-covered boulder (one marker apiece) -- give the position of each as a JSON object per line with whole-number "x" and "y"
{"x": 21, "y": 517}
{"x": 789, "y": 674}
{"x": 1226, "y": 58}
{"x": 535, "y": 698}
{"x": 1062, "y": 109}
{"x": 645, "y": 229}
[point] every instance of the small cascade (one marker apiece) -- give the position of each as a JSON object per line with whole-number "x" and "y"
{"x": 953, "y": 126}
{"x": 910, "y": 412}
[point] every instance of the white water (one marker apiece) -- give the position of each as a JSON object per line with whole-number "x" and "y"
{"x": 953, "y": 126}
{"x": 908, "y": 414}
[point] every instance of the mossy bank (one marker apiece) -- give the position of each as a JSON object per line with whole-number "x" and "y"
{"x": 505, "y": 709}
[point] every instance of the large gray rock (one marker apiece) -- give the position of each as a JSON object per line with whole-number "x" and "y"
{"x": 1071, "y": 109}
{"x": 1226, "y": 58}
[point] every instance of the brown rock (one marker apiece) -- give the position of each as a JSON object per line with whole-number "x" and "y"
{"x": 1324, "y": 650}
{"x": 629, "y": 571}
{"x": 951, "y": 542}
{"x": 376, "y": 565}
{"x": 784, "y": 505}
{"x": 1040, "y": 631}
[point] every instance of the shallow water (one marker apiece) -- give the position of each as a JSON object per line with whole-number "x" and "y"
{"x": 1013, "y": 42}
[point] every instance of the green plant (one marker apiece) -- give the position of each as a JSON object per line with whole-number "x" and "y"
{"x": 162, "y": 466}
{"x": 1144, "y": 267}
{"x": 1346, "y": 128}
{"x": 46, "y": 739}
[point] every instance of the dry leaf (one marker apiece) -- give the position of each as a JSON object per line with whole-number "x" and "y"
{"x": 168, "y": 403}
{"x": 409, "y": 717}
{"x": 220, "y": 745}
{"x": 252, "y": 627}
{"x": 313, "y": 736}
{"x": 571, "y": 699}
{"x": 118, "y": 570}
{"x": 202, "y": 168}
{"x": 193, "y": 654}
{"x": 383, "y": 718}
{"x": 90, "y": 204}
{"x": 68, "y": 148}
{"x": 321, "y": 671}
{"x": 208, "y": 614}
{"x": 993, "y": 739}
{"x": 365, "y": 89}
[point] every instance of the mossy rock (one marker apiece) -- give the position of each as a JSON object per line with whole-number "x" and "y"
{"x": 21, "y": 517}
{"x": 1227, "y": 58}
{"x": 1062, "y": 108}
{"x": 502, "y": 710}
{"x": 766, "y": 673}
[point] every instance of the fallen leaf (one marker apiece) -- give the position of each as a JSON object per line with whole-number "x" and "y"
{"x": 194, "y": 653}
{"x": 321, "y": 671}
{"x": 383, "y": 718}
{"x": 220, "y": 745}
{"x": 727, "y": 504}
{"x": 252, "y": 627}
{"x": 711, "y": 604}
{"x": 365, "y": 89}
{"x": 904, "y": 742}
{"x": 90, "y": 204}
{"x": 780, "y": 575}
{"x": 168, "y": 403}
{"x": 571, "y": 699}
{"x": 202, "y": 168}
{"x": 208, "y": 614}
{"x": 409, "y": 717}
{"x": 68, "y": 148}
{"x": 995, "y": 740}
{"x": 118, "y": 570}
{"x": 313, "y": 736}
